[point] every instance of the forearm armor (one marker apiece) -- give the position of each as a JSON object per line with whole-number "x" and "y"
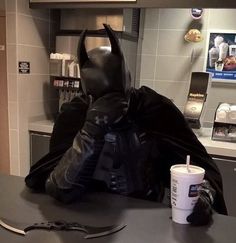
{"x": 208, "y": 191}
{"x": 70, "y": 179}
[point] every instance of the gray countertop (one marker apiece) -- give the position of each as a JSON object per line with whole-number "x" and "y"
{"x": 146, "y": 221}
{"x": 44, "y": 126}
{"x": 215, "y": 147}
{"x": 204, "y": 135}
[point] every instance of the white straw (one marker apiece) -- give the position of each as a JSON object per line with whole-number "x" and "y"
{"x": 188, "y": 163}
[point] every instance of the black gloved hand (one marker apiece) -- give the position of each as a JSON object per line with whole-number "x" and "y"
{"x": 202, "y": 211}
{"x": 71, "y": 177}
{"x": 105, "y": 113}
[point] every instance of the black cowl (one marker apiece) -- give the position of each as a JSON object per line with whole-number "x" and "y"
{"x": 103, "y": 69}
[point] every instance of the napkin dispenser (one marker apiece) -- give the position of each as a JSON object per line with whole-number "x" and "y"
{"x": 196, "y": 98}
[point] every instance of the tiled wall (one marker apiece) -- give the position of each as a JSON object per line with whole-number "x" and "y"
{"x": 30, "y": 95}
{"x": 2, "y": 5}
{"x": 166, "y": 64}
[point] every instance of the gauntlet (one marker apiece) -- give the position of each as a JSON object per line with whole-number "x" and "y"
{"x": 202, "y": 211}
{"x": 71, "y": 177}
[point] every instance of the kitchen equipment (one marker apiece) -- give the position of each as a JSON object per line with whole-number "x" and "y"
{"x": 224, "y": 127}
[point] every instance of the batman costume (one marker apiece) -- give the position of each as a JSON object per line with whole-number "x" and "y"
{"x": 121, "y": 139}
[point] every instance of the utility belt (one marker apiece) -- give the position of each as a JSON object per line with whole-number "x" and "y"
{"x": 123, "y": 161}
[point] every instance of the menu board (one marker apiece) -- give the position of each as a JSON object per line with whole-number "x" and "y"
{"x": 221, "y": 55}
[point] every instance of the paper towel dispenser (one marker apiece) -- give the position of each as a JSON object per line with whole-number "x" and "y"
{"x": 196, "y": 98}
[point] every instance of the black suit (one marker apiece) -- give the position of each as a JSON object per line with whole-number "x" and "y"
{"x": 153, "y": 137}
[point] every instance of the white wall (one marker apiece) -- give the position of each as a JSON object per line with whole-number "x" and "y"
{"x": 30, "y": 95}
{"x": 165, "y": 66}
{"x": 166, "y": 58}
{"x": 2, "y": 5}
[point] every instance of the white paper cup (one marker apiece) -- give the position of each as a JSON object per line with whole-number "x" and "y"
{"x": 184, "y": 190}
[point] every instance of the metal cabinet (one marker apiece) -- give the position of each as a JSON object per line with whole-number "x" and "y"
{"x": 227, "y": 167}
{"x": 39, "y": 146}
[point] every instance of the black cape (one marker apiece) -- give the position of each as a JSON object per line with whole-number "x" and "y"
{"x": 154, "y": 114}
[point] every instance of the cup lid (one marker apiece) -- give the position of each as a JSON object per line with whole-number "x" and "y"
{"x": 182, "y": 169}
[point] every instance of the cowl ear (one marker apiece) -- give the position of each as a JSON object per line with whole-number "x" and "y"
{"x": 115, "y": 44}
{"x": 81, "y": 51}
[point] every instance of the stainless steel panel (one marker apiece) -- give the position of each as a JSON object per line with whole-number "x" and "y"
{"x": 91, "y": 19}
{"x": 227, "y": 168}
{"x": 39, "y": 146}
{"x": 69, "y": 44}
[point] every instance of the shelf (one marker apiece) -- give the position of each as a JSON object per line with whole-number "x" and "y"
{"x": 225, "y": 123}
{"x": 222, "y": 132}
{"x": 99, "y": 33}
{"x": 65, "y": 78}
{"x": 224, "y": 139}
{"x": 67, "y": 88}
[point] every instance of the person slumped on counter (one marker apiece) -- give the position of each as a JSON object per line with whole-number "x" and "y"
{"x": 125, "y": 138}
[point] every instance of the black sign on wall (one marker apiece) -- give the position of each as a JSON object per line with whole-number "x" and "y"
{"x": 24, "y": 67}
